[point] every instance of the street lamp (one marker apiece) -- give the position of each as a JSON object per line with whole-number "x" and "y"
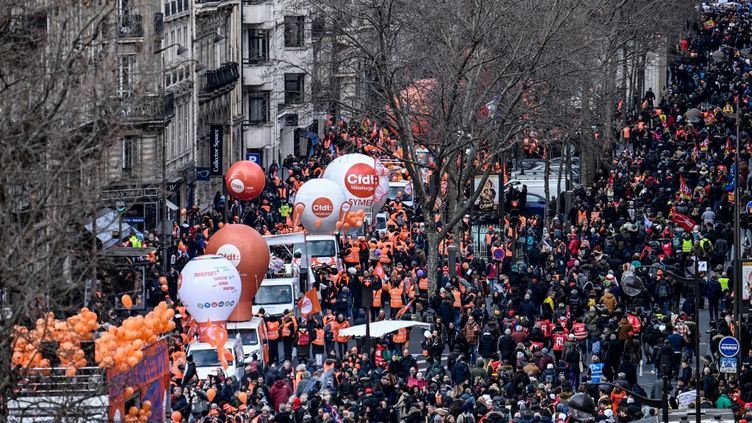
{"x": 163, "y": 195}
{"x": 696, "y": 282}
{"x": 719, "y": 56}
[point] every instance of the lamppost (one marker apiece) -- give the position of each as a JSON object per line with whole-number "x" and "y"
{"x": 163, "y": 192}
{"x": 695, "y": 281}
{"x": 720, "y": 56}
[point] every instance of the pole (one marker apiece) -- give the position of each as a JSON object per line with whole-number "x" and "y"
{"x": 163, "y": 197}
{"x": 697, "y": 340}
{"x": 664, "y": 398}
{"x": 737, "y": 244}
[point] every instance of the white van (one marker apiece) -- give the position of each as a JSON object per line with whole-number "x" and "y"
{"x": 252, "y": 336}
{"x": 323, "y": 250}
{"x": 277, "y": 295}
{"x": 207, "y": 362}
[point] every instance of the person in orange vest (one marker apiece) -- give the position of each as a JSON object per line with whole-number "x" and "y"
{"x": 318, "y": 344}
{"x": 399, "y": 339}
{"x": 395, "y": 299}
{"x": 328, "y": 321}
{"x": 288, "y": 330}
{"x": 273, "y": 329}
{"x": 337, "y": 325}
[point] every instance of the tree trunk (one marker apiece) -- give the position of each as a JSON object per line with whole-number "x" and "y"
{"x": 546, "y": 183}
{"x": 432, "y": 255}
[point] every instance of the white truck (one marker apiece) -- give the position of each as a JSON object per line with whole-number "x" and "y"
{"x": 288, "y": 276}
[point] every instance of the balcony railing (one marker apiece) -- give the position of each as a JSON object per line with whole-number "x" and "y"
{"x": 131, "y": 26}
{"x": 223, "y": 77}
{"x": 149, "y": 108}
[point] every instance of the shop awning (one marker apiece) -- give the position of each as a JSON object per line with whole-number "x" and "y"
{"x": 171, "y": 205}
{"x": 107, "y": 223}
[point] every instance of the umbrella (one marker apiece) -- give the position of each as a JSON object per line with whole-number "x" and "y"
{"x": 694, "y": 115}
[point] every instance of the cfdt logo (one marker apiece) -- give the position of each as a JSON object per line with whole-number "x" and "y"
{"x": 231, "y": 253}
{"x": 322, "y": 207}
{"x": 237, "y": 185}
{"x": 361, "y": 180}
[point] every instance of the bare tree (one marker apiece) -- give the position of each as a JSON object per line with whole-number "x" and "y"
{"x": 57, "y": 84}
{"x": 452, "y": 78}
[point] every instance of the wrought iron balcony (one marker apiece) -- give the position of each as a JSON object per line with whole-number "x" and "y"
{"x": 218, "y": 79}
{"x": 148, "y": 108}
{"x": 131, "y": 26}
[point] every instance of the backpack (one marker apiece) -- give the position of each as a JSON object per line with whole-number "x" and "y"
{"x": 304, "y": 338}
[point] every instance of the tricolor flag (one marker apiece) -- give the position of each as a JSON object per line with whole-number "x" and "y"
{"x": 309, "y": 304}
{"x": 646, "y": 222}
{"x": 684, "y": 192}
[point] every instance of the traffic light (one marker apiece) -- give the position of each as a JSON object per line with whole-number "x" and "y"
{"x": 514, "y": 212}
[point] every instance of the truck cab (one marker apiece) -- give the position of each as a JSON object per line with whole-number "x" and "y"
{"x": 277, "y": 295}
{"x": 252, "y": 336}
{"x": 322, "y": 250}
{"x": 207, "y": 361}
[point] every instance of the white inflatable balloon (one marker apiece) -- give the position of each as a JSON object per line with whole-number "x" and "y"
{"x": 364, "y": 181}
{"x": 322, "y": 200}
{"x": 209, "y": 287}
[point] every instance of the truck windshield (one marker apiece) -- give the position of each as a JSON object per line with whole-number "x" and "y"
{"x": 247, "y": 336}
{"x": 208, "y": 358}
{"x": 320, "y": 248}
{"x": 393, "y": 193}
{"x": 274, "y": 294}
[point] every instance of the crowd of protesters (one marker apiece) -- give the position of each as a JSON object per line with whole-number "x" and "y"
{"x": 514, "y": 336}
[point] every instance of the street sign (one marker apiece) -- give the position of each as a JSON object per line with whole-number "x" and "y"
{"x": 120, "y": 206}
{"x": 749, "y": 207}
{"x": 728, "y": 365}
{"x": 729, "y": 346}
{"x": 254, "y": 157}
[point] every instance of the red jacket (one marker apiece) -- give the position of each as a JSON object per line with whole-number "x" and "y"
{"x": 281, "y": 391}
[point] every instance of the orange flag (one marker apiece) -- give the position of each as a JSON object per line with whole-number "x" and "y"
{"x": 309, "y": 304}
{"x": 379, "y": 271}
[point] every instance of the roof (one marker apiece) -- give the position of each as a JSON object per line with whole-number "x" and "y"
{"x": 319, "y": 237}
{"x": 382, "y": 328}
{"x": 254, "y": 323}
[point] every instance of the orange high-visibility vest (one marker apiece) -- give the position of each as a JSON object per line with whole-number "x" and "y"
{"x": 457, "y": 298}
{"x": 286, "y": 322}
{"x": 581, "y": 217}
{"x": 400, "y": 337}
{"x": 395, "y": 297}
{"x": 354, "y": 255}
{"x": 377, "y": 298}
{"x": 339, "y": 326}
{"x": 272, "y": 330}
{"x": 423, "y": 284}
{"x": 319, "y": 338}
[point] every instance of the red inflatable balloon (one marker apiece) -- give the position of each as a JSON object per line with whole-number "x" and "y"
{"x": 245, "y": 180}
{"x": 247, "y": 250}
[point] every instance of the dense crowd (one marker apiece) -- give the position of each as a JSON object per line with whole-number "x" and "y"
{"x": 514, "y": 339}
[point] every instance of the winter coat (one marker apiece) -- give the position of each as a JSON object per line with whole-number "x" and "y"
{"x": 609, "y": 300}
{"x": 486, "y": 345}
{"x": 280, "y": 392}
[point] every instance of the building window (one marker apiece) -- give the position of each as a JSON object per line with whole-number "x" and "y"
{"x": 258, "y": 46}
{"x": 167, "y": 8}
{"x": 186, "y": 125}
{"x": 294, "y": 85}
{"x": 126, "y": 64}
{"x": 130, "y": 151}
{"x": 259, "y": 107}
{"x": 294, "y": 31}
